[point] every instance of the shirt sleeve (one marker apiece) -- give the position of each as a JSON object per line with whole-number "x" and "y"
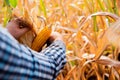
{"x": 18, "y": 62}
{"x": 56, "y": 51}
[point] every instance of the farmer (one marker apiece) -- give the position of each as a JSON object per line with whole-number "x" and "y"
{"x": 19, "y": 62}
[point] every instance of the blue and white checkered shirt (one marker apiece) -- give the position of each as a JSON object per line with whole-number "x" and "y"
{"x": 18, "y": 62}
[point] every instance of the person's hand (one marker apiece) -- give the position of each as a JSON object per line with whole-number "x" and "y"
{"x": 54, "y": 36}
{"x": 15, "y": 29}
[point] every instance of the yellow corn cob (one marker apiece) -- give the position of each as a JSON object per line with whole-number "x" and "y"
{"x": 41, "y": 38}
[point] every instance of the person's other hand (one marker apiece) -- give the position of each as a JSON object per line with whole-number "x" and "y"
{"x": 54, "y": 36}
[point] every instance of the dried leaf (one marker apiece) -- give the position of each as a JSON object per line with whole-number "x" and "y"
{"x": 108, "y": 62}
{"x": 105, "y": 14}
{"x": 70, "y": 72}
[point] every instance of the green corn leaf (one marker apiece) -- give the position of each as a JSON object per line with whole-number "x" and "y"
{"x": 115, "y": 7}
{"x": 5, "y": 21}
{"x": 96, "y": 29}
{"x": 72, "y": 63}
{"x": 101, "y": 5}
{"x": 13, "y": 3}
{"x": 42, "y": 5}
{"x": 7, "y": 2}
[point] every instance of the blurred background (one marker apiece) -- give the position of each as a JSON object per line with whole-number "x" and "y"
{"x": 84, "y": 24}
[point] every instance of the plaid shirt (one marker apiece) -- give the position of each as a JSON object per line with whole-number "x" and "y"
{"x": 18, "y": 62}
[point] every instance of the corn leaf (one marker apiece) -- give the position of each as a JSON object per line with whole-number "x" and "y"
{"x": 107, "y": 61}
{"x": 101, "y": 5}
{"x": 42, "y": 5}
{"x": 13, "y": 3}
{"x": 7, "y": 2}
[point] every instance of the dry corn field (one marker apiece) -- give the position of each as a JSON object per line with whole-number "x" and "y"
{"x": 91, "y": 31}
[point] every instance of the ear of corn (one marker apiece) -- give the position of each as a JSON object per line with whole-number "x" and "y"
{"x": 41, "y": 39}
